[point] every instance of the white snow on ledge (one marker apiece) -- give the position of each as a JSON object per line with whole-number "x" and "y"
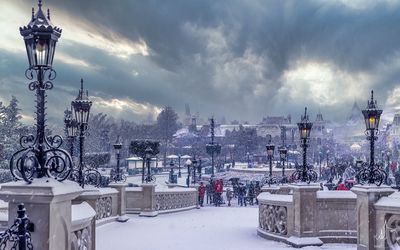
{"x": 265, "y": 196}
{"x": 336, "y": 195}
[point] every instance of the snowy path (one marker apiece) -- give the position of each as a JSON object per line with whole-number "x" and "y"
{"x": 223, "y": 228}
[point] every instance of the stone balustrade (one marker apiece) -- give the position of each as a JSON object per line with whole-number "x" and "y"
{"x": 83, "y": 227}
{"x": 147, "y": 200}
{"x": 307, "y": 216}
{"x": 176, "y": 199}
{"x": 103, "y": 200}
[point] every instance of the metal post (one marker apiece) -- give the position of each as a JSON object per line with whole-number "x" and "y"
{"x": 40, "y": 123}
{"x": 148, "y": 169}
{"x": 372, "y": 158}
{"x": 118, "y": 169}
{"x": 270, "y": 165}
{"x": 81, "y": 145}
{"x": 144, "y": 160}
{"x": 179, "y": 166}
{"x": 304, "y": 175}
{"x": 22, "y": 227}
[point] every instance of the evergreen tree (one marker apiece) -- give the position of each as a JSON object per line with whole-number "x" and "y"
{"x": 166, "y": 126}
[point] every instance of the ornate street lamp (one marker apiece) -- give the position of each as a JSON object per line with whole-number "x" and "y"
{"x": 372, "y": 174}
{"x": 179, "y": 166}
{"x": 188, "y": 164}
{"x": 71, "y": 127}
{"x": 81, "y": 109}
{"x": 40, "y": 156}
{"x": 283, "y": 157}
{"x": 304, "y": 174}
{"x": 199, "y": 167}
{"x": 149, "y": 153}
{"x": 270, "y": 153}
{"x": 194, "y": 166}
{"x": 117, "y": 175}
{"x": 213, "y": 148}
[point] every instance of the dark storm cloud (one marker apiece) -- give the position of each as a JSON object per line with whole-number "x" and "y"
{"x": 229, "y": 57}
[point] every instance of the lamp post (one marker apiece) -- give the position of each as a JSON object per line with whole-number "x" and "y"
{"x": 81, "y": 108}
{"x": 179, "y": 166}
{"x": 199, "y": 167}
{"x": 270, "y": 179}
{"x": 372, "y": 174}
{"x": 194, "y": 166}
{"x": 283, "y": 156}
{"x": 248, "y": 159}
{"x": 40, "y": 156}
{"x": 171, "y": 172}
{"x": 320, "y": 164}
{"x": 70, "y": 128}
{"x": 188, "y": 163}
{"x": 213, "y": 148}
{"x": 118, "y": 175}
{"x": 304, "y": 174}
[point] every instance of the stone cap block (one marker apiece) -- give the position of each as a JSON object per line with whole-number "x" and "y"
{"x": 44, "y": 190}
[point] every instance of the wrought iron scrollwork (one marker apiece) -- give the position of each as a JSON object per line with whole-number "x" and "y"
{"x": 25, "y": 163}
{"x": 40, "y": 156}
{"x": 374, "y": 175}
{"x": 90, "y": 176}
{"x": 117, "y": 176}
{"x": 18, "y": 236}
{"x": 270, "y": 180}
{"x": 307, "y": 176}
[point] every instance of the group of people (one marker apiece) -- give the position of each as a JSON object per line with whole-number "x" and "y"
{"x": 213, "y": 192}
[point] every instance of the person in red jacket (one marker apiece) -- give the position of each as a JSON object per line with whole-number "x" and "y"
{"x": 218, "y": 190}
{"x": 341, "y": 186}
{"x": 202, "y": 191}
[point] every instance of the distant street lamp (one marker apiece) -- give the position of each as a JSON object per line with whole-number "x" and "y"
{"x": 213, "y": 148}
{"x": 179, "y": 166}
{"x": 304, "y": 174}
{"x": 283, "y": 157}
{"x": 40, "y": 156}
{"x": 81, "y": 109}
{"x": 200, "y": 167}
{"x": 188, "y": 164}
{"x": 194, "y": 166}
{"x": 118, "y": 175}
{"x": 149, "y": 154}
{"x": 372, "y": 174}
{"x": 270, "y": 179}
{"x": 71, "y": 127}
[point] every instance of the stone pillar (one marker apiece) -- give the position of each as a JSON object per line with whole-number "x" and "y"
{"x": 149, "y": 200}
{"x": 196, "y": 187}
{"x": 367, "y": 195}
{"x": 121, "y": 187}
{"x": 305, "y": 215}
{"x": 48, "y": 205}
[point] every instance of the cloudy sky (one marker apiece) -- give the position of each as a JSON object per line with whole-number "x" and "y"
{"x": 240, "y": 59}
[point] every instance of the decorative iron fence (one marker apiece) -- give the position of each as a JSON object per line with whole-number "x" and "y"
{"x": 18, "y": 235}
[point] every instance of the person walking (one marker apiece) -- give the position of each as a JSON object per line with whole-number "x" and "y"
{"x": 241, "y": 195}
{"x": 209, "y": 189}
{"x": 202, "y": 191}
{"x": 251, "y": 194}
{"x": 229, "y": 196}
{"x": 218, "y": 189}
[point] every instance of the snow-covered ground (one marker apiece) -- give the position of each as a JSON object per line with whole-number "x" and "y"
{"x": 219, "y": 228}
